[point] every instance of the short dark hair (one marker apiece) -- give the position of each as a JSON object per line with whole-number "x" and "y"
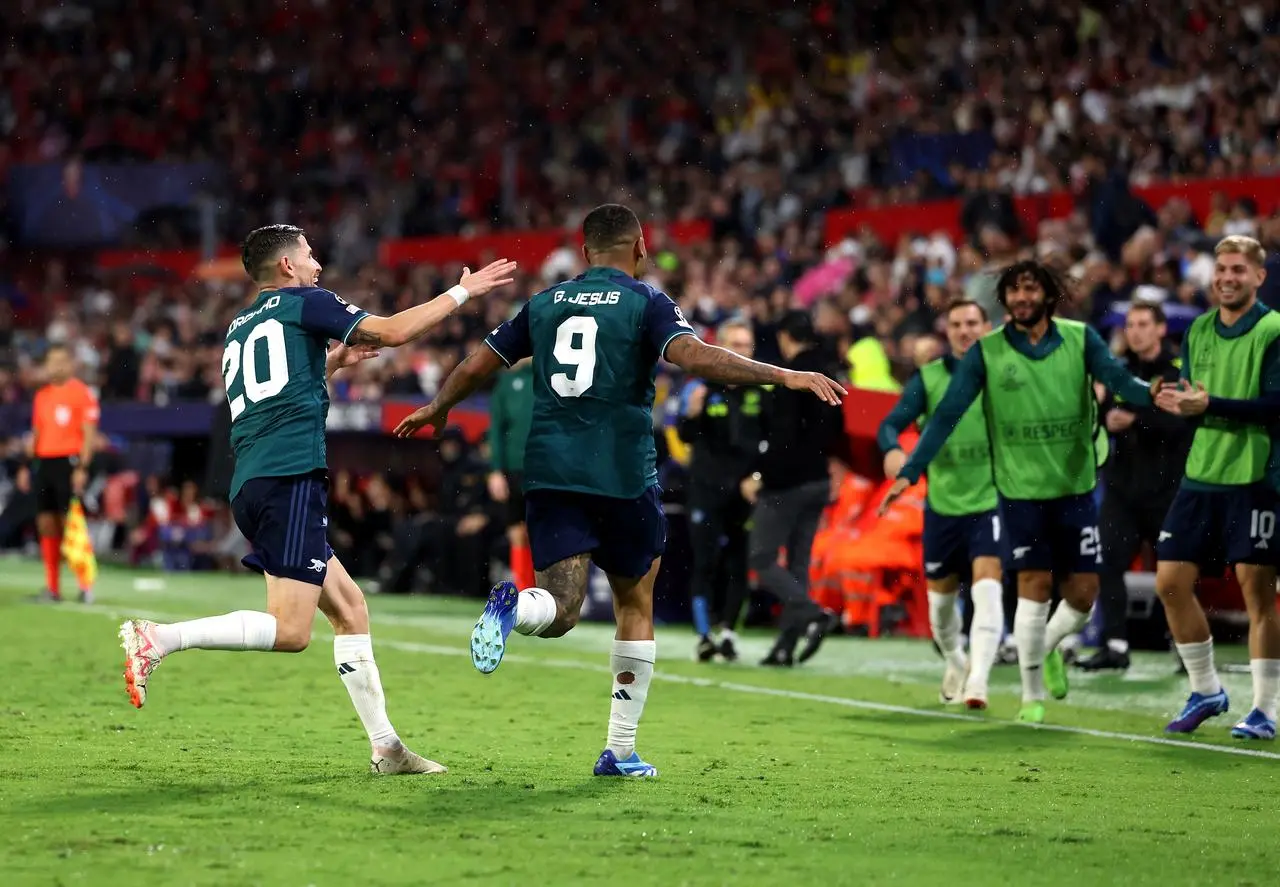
{"x": 1157, "y": 313}
{"x": 609, "y": 226}
{"x": 1055, "y": 288}
{"x": 961, "y": 302}
{"x": 797, "y": 324}
{"x": 264, "y": 245}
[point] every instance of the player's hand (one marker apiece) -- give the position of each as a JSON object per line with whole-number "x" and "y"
{"x": 893, "y": 462}
{"x": 750, "y": 489}
{"x": 826, "y": 390}
{"x": 498, "y": 489}
{"x": 1157, "y": 384}
{"x": 421, "y": 418}
{"x": 899, "y": 487}
{"x": 697, "y": 400}
{"x": 1184, "y": 400}
{"x": 79, "y": 478}
{"x": 343, "y": 356}
{"x": 1119, "y": 420}
{"x": 488, "y": 278}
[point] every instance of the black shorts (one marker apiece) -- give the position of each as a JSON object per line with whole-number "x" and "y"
{"x": 1220, "y": 528}
{"x": 52, "y": 484}
{"x": 515, "y": 499}
{"x": 951, "y": 543}
{"x": 286, "y": 522}
{"x": 623, "y": 536}
{"x": 1060, "y": 534}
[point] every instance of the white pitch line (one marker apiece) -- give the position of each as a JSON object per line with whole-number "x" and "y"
{"x": 796, "y": 695}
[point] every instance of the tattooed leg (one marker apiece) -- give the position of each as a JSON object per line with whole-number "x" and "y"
{"x": 566, "y": 582}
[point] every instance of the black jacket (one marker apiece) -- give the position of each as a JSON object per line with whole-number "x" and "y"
{"x": 799, "y": 431}
{"x": 1148, "y": 459}
{"x": 725, "y": 438}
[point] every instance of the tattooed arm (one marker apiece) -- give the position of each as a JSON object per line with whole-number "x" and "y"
{"x": 403, "y": 328}
{"x": 399, "y": 329}
{"x": 709, "y": 362}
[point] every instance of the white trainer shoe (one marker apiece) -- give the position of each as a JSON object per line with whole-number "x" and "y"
{"x": 399, "y": 761}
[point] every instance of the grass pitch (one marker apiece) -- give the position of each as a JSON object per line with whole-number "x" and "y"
{"x": 251, "y": 768}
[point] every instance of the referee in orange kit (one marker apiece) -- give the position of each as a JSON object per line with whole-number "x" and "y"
{"x": 64, "y": 423}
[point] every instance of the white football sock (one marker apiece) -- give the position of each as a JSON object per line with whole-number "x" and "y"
{"x": 241, "y": 630}
{"x": 984, "y": 633}
{"x": 1066, "y": 621}
{"x": 944, "y": 622}
{"x": 1118, "y": 645}
{"x": 1266, "y": 685}
{"x": 1201, "y": 674}
{"x": 353, "y": 654}
{"x": 535, "y": 610}
{"x": 632, "y": 667}
{"x": 1029, "y": 632}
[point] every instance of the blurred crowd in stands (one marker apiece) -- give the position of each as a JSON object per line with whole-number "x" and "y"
{"x": 378, "y": 120}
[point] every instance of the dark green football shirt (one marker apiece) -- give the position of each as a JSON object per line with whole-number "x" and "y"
{"x": 273, "y": 367}
{"x": 595, "y": 343}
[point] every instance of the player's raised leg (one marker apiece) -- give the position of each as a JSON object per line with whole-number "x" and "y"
{"x": 1079, "y": 591}
{"x": 562, "y": 535}
{"x": 283, "y": 518}
{"x": 548, "y": 610}
{"x": 1258, "y": 584}
{"x": 631, "y": 663}
{"x": 343, "y": 604}
{"x": 284, "y": 628}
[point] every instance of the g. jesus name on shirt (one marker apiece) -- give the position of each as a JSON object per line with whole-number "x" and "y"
{"x": 601, "y": 298}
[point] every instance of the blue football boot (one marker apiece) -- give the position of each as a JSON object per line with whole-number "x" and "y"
{"x": 489, "y": 637}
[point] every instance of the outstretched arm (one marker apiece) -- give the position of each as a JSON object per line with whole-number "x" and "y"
{"x": 412, "y": 323}
{"x": 474, "y": 371}
{"x": 716, "y": 364}
{"x": 909, "y": 408}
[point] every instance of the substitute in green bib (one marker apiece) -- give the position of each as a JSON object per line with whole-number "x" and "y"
{"x": 961, "y": 521}
{"x": 1036, "y": 374}
{"x": 1225, "y": 510}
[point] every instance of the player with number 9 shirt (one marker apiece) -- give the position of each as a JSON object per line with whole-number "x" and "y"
{"x": 590, "y": 471}
{"x": 276, "y": 363}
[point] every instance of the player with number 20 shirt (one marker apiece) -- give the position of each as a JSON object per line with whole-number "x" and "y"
{"x": 275, "y": 364}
